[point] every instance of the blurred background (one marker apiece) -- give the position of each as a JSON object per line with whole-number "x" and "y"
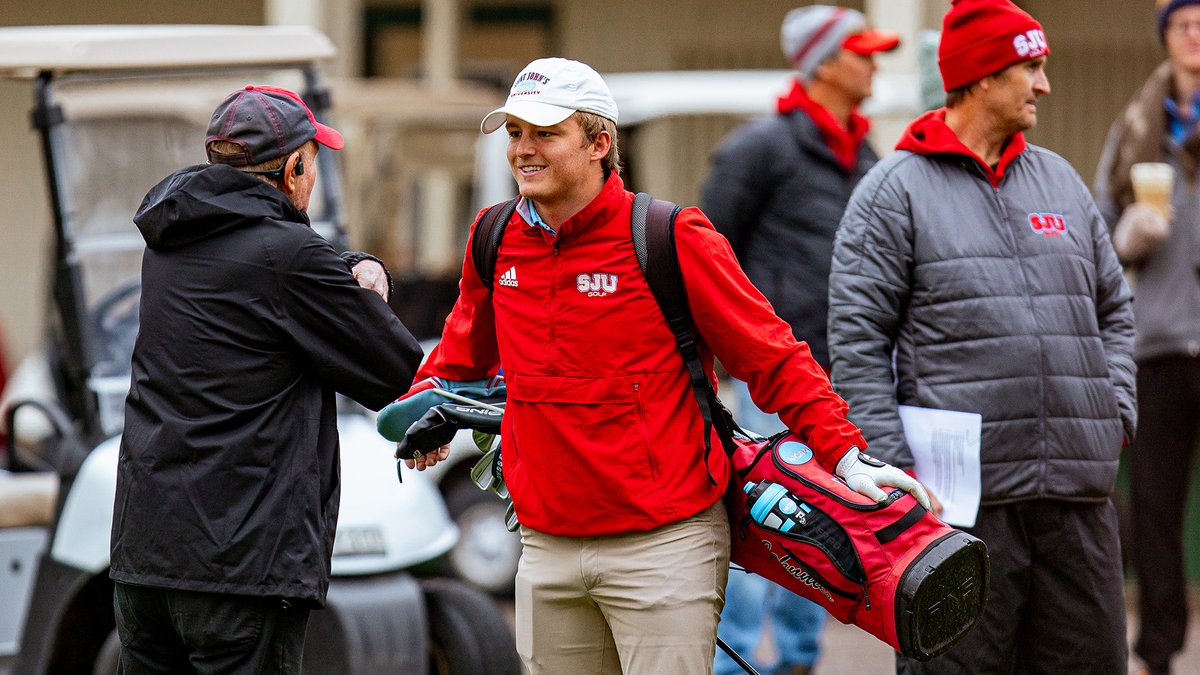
{"x": 412, "y": 78}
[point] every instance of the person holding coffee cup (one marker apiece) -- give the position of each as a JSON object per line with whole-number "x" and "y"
{"x": 1146, "y": 188}
{"x": 1147, "y": 221}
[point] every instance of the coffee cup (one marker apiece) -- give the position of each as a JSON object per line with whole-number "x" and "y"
{"x": 1152, "y": 184}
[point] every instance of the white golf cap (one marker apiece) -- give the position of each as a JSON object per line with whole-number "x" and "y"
{"x": 548, "y": 91}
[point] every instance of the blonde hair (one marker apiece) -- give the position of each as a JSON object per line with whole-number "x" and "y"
{"x": 592, "y": 124}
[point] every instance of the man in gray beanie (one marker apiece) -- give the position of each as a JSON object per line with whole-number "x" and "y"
{"x": 776, "y": 190}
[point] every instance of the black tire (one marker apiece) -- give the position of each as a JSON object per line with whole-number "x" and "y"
{"x": 110, "y": 653}
{"x": 486, "y": 554}
{"x": 468, "y": 633}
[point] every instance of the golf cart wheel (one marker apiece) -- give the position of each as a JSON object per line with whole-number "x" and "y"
{"x": 468, "y": 633}
{"x": 486, "y": 554}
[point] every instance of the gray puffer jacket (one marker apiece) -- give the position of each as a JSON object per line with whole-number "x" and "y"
{"x": 947, "y": 292}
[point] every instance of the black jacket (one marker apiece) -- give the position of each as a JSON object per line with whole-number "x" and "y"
{"x": 228, "y": 479}
{"x": 777, "y": 193}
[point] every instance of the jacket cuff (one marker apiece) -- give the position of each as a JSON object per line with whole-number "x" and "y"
{"x": 352, "y": 258}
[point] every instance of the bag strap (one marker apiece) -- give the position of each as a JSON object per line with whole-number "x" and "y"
{"x": 485, "y": 242}
{"x": 653, "y": 226}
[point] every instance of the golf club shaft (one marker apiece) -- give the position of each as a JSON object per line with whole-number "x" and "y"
{"x": 736, "y": 657}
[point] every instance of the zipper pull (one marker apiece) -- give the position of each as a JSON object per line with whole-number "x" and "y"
{"x": 866, "y": 596}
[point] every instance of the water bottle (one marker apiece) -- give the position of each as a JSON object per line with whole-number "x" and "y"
{"x": 773, "y": 507}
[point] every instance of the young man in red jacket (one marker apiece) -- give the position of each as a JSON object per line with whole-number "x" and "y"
{"x": 626, "y": 542}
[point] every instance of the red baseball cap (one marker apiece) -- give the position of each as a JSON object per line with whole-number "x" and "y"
{"x": 871, "y": 42}
{"x": 266, "y": 123}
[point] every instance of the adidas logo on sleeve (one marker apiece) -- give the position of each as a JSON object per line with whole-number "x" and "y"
{"x": 509, "y": 278}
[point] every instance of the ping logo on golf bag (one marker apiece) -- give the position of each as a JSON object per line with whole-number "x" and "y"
{"x": 596, "y": 284}
{"x": 1048, "y": 224}
{"x": 794, "y": 452}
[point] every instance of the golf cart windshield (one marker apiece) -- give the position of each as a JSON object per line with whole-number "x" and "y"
{"x": 119, "y": 134}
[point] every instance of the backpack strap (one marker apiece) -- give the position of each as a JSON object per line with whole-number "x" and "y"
{"x": 652, "y": 223}
{"x": 485, "y": 242}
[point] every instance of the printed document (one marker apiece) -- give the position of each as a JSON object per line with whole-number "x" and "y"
{"x": 945, "y": 448}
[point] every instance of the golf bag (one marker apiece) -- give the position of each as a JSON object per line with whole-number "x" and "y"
{"x": 890, "y": 568}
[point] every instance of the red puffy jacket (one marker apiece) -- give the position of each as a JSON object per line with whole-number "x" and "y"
{"x": 602, "y": 434}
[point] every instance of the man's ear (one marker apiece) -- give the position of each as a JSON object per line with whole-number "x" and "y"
{"x": 601, "y": 145}
{"x": 290, "y": 173}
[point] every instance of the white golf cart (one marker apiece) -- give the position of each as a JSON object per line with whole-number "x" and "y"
{"x": 117, "y": 108}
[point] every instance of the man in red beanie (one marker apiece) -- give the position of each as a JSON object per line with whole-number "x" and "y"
{"x": 1158, "y": 240}
{"x": 973, "y": 272}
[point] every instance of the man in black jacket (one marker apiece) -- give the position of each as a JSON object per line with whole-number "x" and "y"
{"x": 228, "y": 480}
{"x": 777, "y": 190}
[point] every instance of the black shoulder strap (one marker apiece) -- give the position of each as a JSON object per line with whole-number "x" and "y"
{"x": 653, "y": 226}
{"x": 486, "y": 239}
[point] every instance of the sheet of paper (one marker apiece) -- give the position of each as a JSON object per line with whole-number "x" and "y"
{"x": 945, "y": 448}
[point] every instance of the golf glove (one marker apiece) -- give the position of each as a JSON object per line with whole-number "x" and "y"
{"x": 867, "y": 476}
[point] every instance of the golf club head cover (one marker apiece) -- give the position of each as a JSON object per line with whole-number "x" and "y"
{"x": 396, "y": 418}
{"x": 439, "y": 424}
{"x": 429, "y": 433}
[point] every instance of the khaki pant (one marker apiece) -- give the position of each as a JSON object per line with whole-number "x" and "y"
{"x": 641, "y": 604}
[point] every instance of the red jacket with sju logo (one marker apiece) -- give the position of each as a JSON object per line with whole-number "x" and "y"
{"x": 602, "y": 434}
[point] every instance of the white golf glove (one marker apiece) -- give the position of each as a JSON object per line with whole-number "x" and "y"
{"x": 865, "y": 475}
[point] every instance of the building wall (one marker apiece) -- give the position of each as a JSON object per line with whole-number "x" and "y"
{"x": 1099, "y": 57}
{"x": 1100, "y": 54}
{"x": 25, "y": 227}
{"x": 637, "y": 35}
{"x": 131, "y": 11}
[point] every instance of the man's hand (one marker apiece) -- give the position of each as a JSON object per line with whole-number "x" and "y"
{"x": 866, "y": 476}
{"x": 428, "y": 459}
{"x": 370, "y": 275}
{"x": 1139, "y": 231}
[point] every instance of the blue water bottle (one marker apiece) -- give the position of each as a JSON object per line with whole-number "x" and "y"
{"x": 773, "y": 507}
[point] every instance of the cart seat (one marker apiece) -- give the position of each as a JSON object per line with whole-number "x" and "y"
{"x": 27, "y": 499}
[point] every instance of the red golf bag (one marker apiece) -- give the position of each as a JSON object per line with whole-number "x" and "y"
{"x": 890, "y": 568}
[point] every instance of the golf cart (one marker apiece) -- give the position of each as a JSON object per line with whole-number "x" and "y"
{"x": 116, "y": 109}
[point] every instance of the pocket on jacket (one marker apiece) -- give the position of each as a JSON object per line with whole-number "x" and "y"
{"x": 585, "y": 446}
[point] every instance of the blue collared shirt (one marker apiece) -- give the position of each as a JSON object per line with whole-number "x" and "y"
{"x": 530, "y": 214}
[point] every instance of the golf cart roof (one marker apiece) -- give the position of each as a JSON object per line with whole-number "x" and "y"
{"x": 27, "y": 50}
{"x": 641, "y": 96}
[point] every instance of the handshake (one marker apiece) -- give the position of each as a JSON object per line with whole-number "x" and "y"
{"x": 434, "y": 410}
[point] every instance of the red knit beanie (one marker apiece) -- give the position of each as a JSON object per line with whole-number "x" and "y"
{"x": 981, "y": 37}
